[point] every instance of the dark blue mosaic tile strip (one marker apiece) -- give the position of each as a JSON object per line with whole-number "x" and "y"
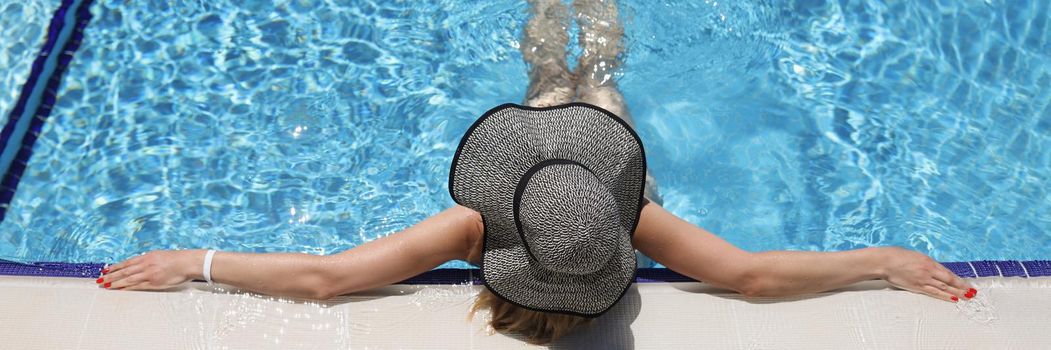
{"x": 50, "y": 269}
{"x": 961, "y": 269}
{"x": 1010, "y": 268}
{"x": 650, "y": 274}
{"x": 446, "y": 276}
{"x": 1038, "y": 267}
{"x": 39, "y": 75}
{"x": 985, "y": 268}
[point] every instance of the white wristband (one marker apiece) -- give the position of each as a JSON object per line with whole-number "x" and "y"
{"x": 208, "y": 265}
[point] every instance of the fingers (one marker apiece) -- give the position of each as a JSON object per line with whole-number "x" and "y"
{"x": 142, "y": 286}
{"x": 920, "y": 273}
{"x": 133, "y": 277}
{"x": 155, "y": 270}
{"x": 940, "y": 294}
{"x": 130, "y": 280}
{"x": 138, "y": 281}
{"x": 134, "y": 280}
{"x": 945, "y": 287}
{"x": 124, "y": 264}
{"x": 956, "y": 284}
{"x": 114, "y": 278}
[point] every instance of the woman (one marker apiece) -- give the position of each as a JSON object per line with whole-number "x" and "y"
{"x": 553, "y": 199}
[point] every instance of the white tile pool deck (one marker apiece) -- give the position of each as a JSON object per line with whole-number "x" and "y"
{"x": 72, "y": 313}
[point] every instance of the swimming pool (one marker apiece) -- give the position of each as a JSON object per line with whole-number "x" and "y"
{"x": 312, "y": 127}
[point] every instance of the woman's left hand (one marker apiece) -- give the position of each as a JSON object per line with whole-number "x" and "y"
{"x": 155, "y": 270}
{"x": 916, "y": 272}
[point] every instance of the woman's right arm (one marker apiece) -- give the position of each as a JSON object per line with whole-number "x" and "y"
{"x": 449, "y": 235}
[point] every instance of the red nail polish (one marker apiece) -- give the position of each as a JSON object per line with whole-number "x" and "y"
{"x": 972, "y": 291}
{"x": 954, "y": 298}
{"x": 105, "y": 271}
{"x": 99, "y": 280}
{"x": 109, "y": 283}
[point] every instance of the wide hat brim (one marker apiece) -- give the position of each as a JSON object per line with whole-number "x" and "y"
{"x": 494, "y": 154}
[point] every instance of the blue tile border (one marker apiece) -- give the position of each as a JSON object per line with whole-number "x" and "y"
{"x": 24, "y": 124}
{"x": 962, "y": 269}
{"x": 50, "y": 269}
{"x": 1011, "y": 269}
{"x": 983, "y": 268}
{"x": 1037, "y": 267}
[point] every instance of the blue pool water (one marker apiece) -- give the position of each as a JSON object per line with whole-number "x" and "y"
{"x": 312, "y": 127}
{"x": 22, "y": 26}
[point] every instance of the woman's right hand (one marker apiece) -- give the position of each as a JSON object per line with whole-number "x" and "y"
{"x": 155, "y": 270}
{"x": 917, "y": 272}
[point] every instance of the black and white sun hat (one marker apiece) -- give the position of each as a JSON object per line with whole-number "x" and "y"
{"x": 559, "y": 190}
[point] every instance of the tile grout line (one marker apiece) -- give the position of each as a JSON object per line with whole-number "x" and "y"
{"x": 970, "y": 263}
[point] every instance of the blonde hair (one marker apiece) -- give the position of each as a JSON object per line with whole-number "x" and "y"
{"x": 538, "y": 327}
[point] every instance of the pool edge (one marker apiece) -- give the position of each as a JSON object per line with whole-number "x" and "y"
{"x": 966, "y": 269}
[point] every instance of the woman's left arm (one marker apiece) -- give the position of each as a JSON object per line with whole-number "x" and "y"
{"x": 449, "y": 235}
{"x": 699, "y": 254}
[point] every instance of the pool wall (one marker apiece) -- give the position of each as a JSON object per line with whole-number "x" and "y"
{"x": 27, "y": 119}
